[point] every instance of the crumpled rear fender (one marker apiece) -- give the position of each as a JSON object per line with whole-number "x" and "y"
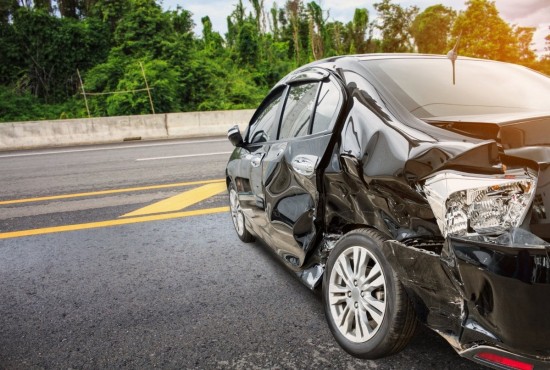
{"x": 478, "y": 291}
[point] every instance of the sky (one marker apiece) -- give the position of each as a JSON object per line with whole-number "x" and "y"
{"x": 525, "y": 13}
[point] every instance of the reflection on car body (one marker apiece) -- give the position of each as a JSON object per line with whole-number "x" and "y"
{"x": 409, "y": 198}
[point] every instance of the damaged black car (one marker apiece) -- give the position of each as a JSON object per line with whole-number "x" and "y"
{"x": 409, "y": 188}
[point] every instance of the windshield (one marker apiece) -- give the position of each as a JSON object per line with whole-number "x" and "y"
{"x": 425, "y": 86}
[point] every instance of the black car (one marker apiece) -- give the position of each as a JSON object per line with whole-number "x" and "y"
{"x": 411, "y": 188}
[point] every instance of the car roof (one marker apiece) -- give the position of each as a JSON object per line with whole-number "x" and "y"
{"x": 333, "y": 63}
{"x": 375, "y": 56}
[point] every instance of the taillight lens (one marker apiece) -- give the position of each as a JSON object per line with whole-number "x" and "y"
{"x": 510, "y": 363}
{"x": 486, "y": 205}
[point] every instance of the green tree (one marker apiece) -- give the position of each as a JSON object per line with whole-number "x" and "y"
{"x": 524, "y": 37}
{"x": 484, "y": 33}
{"x": 109, "y": 11}
{"x": 52, "y": 49}
{"x": 357, "y": 32}
{"x": 258, "y": 6}
{"x": 103, "y": 78}
{"x": 394, "y": 22}
{"x": 431, "y": 29}
{"x": 543, "y": 64}
{"x": 212, "y": 41}
{"x": 44, "y": 42}
{"x": 68, "y": 8}
{"x": 143, "y": 30}
{"x": 293, "y": 9}
{"x": 234, "y": 21}
{"x": 318, "y": 38}
{"x": 247, "y": 44}
{"x": 160, "y": 77}
{"x": 164, "y": 41}
{"x": 45, "y": 5}
{"x": 7, "y": 10}
{"x": 10, "y": 57}
{"x": 336, "y": 32}
{"x": 274, "y": 13}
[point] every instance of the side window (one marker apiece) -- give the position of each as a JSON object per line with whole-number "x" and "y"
{"x": 264, "y": 128}
{"x": 298, "y": 110}
{"x": 328, "y": 107}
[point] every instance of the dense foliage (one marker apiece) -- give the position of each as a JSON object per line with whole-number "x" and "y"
{"x": 114, "y": 44}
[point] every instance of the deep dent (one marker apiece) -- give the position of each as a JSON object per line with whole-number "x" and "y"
{"x": 472, "y": 291}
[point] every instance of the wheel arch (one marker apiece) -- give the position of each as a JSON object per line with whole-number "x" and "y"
{"x": 352, "y": 227}
{"x": 347, "y": 229}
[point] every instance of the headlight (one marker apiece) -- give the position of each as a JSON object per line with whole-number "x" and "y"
{"x": 465, "y": 203}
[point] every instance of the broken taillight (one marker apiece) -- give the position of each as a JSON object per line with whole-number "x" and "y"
{"x": 508, "y": 363}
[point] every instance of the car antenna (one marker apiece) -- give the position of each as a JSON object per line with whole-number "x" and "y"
{"x": 453, "y": 55}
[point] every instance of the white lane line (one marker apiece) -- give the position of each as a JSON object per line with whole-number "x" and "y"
{"x": 182, "y": 156}
{"x": 127, "y": 146}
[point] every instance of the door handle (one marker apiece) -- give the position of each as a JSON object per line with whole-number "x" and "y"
{"x": 305, "y": 164}
{"x": 257, "y": 160}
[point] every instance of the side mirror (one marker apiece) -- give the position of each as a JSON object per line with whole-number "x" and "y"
{"x": 234, "y": 136}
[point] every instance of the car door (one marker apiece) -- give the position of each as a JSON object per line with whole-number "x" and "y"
{"x": 292, "y": 165}
{"x": 261, "y": 134}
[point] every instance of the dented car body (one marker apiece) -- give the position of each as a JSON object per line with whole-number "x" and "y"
{"x": 449, "y": 182}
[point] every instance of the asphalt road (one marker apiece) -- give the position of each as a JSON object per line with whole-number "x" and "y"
{"x": 163, "y": 287}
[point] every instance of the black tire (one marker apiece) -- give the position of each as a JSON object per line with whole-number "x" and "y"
{"x": 386, "y": 310}
{"x": 237, "y": 215}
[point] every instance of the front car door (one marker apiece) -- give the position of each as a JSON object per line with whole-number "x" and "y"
{"x": 247, "y": 165}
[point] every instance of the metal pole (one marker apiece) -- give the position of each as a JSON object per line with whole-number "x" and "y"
{"x": 84, "y": 93}
{"x": 147, "y": 86}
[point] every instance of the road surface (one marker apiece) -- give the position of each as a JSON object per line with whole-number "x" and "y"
{"x": 99, "y": 270}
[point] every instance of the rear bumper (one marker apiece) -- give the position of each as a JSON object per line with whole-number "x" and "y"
{"x": 505, "y": 283}
{"x": 482, "y": 293}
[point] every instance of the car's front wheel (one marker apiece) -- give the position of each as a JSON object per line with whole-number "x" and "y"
{"x": 366, "y": 307}
{"x": 237, "y": 215}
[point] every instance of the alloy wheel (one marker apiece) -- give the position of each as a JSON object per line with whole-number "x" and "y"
{"x": 356, "y": 292}
{"x": 236, "y": 213}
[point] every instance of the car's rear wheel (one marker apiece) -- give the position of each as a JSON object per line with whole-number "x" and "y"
{"x": 366, "y": 306}
{"x": 237, "y": 215}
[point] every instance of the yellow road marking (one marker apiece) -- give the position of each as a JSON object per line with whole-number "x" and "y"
{"x": 120, "y": 221}
{"x": 106, "y": 192}
{"x": 180, "y": 201}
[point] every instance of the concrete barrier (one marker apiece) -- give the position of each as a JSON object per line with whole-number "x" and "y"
{"x": 35, "y": 134}
{"x": 206, "y": 123}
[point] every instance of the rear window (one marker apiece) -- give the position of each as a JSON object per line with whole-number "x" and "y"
{"x": 425, "y": 86}
{"x": 327, "y": 107}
